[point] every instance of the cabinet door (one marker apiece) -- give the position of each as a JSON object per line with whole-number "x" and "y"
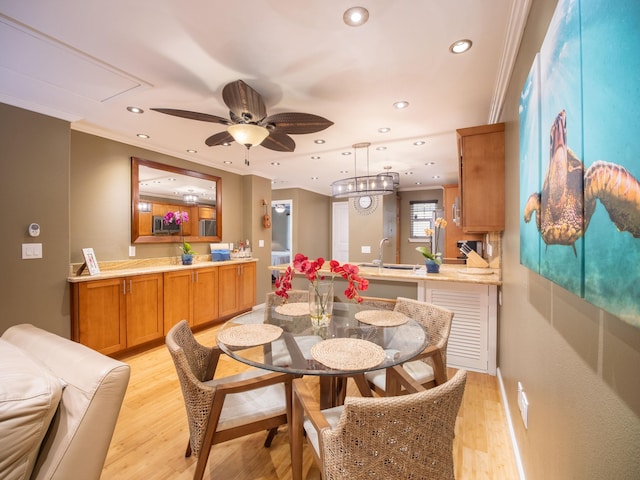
{"x": 454, "y": 233}
{"x": 205, "y": 295}
{"x": 247, "y": 287}
{"x": 144, "y": 308}
{"x": 481, "y": 152}
{"x": 178, "y": 304}
{"x": 228, "y": 289}
{"x": 99, "y": 320}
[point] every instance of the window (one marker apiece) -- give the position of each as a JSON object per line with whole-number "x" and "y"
{"x": 421, "y": 217}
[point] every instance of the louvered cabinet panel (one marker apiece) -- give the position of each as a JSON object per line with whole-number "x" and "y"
{"x": 472, "y": 341}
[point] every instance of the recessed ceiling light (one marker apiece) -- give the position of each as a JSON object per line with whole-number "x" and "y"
{"x": 356, "y": 16}
{"x": 418, "y": 183}
{"x": 275, "y": 164}
{"x": 384, "y": 130}
{"x": 401, "y": 104}
{"x": 314, "y": 178}
{"x": 430, "y": 163}
{"x": 228, "y": 162}
{"x": 135, "y": 109}
{"x": 436, "y": 176}
{"x": 460, "y": 46}
{"x": 226, "y": 144}
{"x": 381, "y": 148}
{"x": 419, "y": 142}
{"x": 192, "y": 151}
{"x": 318, "y": 141}
{"x": 346, "y": 153}
{"x": 315, "y": 157}
{"x": 344, "y": 171}
{"x": 142, "y": 135}
{"x": 408, "y": 173}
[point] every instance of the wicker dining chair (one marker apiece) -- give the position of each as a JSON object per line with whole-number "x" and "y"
{"x": 402, "y": 437}
{"x": 378, "y": 303}
{"x": 429, "y": 368}
{"x": 225, "y": 408}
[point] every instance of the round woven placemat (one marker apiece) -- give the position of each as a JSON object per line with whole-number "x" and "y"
{"x": 348, "y": 353}
{"x": 293, "y": 309}
{"x": 249, "y": 335}
{"x": 381, "y": 318}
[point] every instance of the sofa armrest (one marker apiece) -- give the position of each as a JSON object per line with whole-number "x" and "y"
{"x": 94, "y": 386}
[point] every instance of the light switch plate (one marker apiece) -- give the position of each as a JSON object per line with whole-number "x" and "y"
{"x": 132, "y": 250}
{"x": 31, "y": 250}
{"x": 261, "y": 243}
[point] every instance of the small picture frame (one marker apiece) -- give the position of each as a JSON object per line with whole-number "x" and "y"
{"x": 90, "y": 261}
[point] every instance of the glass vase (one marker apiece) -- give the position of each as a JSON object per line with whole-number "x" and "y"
{"x": 320, "y": 303}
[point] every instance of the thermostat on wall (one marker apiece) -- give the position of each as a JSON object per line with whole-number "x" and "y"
{"x": 34, "y": 229}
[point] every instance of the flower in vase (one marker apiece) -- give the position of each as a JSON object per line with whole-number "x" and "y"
{"x": 311, "y": 270}
{"x": 179, "y": 218}
{"x": 434, "y": 254}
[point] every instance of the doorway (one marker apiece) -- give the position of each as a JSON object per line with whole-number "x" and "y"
{"x": 281, "y": 232}
{"x": 340, "y": 232}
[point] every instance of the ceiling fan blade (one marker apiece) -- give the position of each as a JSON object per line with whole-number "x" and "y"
{"x": 219, "y": 139}
{"x": 279, "y": 142}
{"x": 203, "y": 117}
{"x": 297, "y": 123}
{"x": 243, "y": 101}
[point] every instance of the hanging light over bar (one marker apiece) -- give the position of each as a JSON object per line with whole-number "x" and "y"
{"x": 365, "y": 185}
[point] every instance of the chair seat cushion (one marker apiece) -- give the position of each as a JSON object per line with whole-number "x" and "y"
{"x": 253, "y": 405}
{"x": 332, "y": 415}
{"x": 420, "y": 371}
{"x": 29, "y": 397}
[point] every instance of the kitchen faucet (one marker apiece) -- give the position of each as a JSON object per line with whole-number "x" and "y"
{"x": 379, "y": 261}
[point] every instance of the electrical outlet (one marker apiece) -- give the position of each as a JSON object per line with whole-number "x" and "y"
{"x": 489, "y": 250}
{"x": 523, "y": 405}
{"x": 365, "y": 249}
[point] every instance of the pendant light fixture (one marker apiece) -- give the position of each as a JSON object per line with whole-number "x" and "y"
{"x": 364, "y": 185}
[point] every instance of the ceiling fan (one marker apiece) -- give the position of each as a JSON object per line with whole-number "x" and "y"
{"x": 249, "y": 124}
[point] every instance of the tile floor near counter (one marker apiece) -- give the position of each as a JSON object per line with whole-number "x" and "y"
{"x": 151, "y": 434}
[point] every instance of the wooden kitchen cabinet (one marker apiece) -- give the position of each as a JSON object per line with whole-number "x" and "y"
{"x": 114, "y": 314}
{"x": 237, "y": 288}
{"x": 481, "y": 178}
{"x": 453, "y": 232}
{"x": 205, "y": 295}
{"x": 99, "y": 315}
{"x": 190, "y": 295}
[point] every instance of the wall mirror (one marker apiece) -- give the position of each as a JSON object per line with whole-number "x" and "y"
{"x": 157, "y": 189}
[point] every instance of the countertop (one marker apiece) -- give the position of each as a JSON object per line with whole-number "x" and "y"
{"x": 418, "y": 273}
{"x": 131, "y": 268}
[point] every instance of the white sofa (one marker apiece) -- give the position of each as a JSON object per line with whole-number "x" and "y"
{"x": 59, "y": 402}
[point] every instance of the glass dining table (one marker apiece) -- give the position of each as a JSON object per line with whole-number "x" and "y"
{"x": 358, "y": 339}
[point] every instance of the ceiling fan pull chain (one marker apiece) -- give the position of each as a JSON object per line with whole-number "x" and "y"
{"x": 246, "y": 156}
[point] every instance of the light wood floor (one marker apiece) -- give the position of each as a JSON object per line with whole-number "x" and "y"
{"x": 151, "y": 434}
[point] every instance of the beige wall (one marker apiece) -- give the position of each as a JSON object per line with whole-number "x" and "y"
{"x": 34, "y": 187}
{"x": 310, "y": 221}
{"x": 100, "y": 205}
{"x": 578, "y": 364}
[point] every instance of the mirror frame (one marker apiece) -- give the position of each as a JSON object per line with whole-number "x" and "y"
{"x": 135, "y": 198}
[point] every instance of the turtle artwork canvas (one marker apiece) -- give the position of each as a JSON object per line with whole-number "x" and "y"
{"x": 587, "y": 210}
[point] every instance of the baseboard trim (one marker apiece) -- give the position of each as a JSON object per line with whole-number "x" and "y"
{"x": 512, "y": 433}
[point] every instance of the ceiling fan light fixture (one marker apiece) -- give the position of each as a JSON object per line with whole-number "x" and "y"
{"x": 248, "y": 134}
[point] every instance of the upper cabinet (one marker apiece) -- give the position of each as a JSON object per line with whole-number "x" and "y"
{"x": 481, "y": 178}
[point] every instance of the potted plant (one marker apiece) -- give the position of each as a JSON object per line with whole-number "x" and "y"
{"x": 179, "y": 218}
{"x": 433, "y": 259}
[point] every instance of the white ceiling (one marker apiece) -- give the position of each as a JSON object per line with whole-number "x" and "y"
{"x": 86, "y": 61}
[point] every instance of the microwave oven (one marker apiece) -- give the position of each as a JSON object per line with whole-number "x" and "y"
{"x": 158, "y": 227}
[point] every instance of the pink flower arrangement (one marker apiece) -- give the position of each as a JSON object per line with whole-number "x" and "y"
{"x": 310, "y": 269}
{"x": 179, "y": 218}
